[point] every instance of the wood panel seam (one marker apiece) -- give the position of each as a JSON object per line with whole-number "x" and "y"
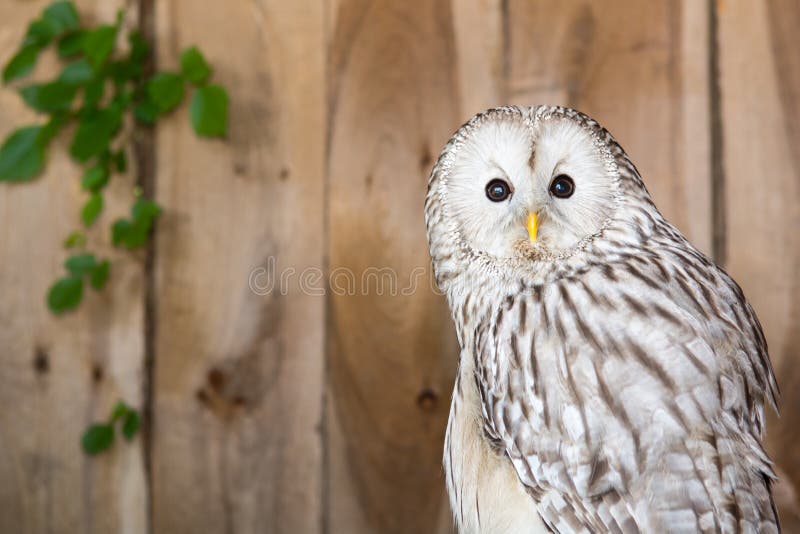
{"x": 144, "y": 154}
{"x": 718, "y": 202}
{"x": 325, "y": 482}
{"x": 505, "y": 25}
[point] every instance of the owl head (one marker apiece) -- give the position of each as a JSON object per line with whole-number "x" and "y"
{"x": 516, "y": 186}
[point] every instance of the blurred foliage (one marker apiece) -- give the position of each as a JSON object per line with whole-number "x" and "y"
{"x": 100, "y": 436}
{"x": 98, "y": 85}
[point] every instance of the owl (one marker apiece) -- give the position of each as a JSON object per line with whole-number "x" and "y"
{"x": 611, "y": 377}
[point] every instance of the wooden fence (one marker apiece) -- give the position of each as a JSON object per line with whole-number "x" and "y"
{"x": 294, "y": 412}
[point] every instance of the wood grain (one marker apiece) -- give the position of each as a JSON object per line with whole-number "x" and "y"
{"x": 238, "y": 375}
{"x": 760, "y": 83}
{"x": 480, "y": 54}
{"x": 289, "y": 411}
{"x": 59, "y": 374}
{"x": 640, "y": 69}
{"x": 394, "y": 102}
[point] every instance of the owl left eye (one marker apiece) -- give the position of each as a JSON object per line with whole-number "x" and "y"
{"x": 498, "y": 190}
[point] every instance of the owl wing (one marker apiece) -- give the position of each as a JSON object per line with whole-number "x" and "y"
{"x": 629, "y": 398}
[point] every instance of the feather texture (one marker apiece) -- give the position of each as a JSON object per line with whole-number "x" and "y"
{"x": 618, "y": 382}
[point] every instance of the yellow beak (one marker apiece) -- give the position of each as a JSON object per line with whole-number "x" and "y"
{"x": 533, "y": 226}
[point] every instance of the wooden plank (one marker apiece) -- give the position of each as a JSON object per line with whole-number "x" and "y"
{"x": 404, "y": 75}
{"x": 640, "y": 69}
{"x": 239, "y": 375}
{"x": 59, "y": 374}
{"x": 760, "y": 85}
{"x": 480, "y": 50}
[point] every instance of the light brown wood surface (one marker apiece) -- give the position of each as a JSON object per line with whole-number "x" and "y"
{"x": 760, "y": 82}
{"x": 238, "y": 393}
{"x": 299, "y": 412}
{"x": 640, "y": 69}
{"x": 59, "y": 374}
{"x": 393, "y": 101}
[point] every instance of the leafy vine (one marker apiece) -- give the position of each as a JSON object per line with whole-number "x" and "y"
{"x": 99, "y": 85}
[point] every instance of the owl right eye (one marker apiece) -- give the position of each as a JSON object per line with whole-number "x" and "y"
{"x": 498, "y": 190}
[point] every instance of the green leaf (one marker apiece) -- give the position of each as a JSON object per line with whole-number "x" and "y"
{"x": 65, "y": 294}
{"x": 120, "y": 161}
{"x": 99, "y": 43}
{"x": 95, "y": 178}
{"x": 98, "y": 438}
{"x": 130, "y": 425}
{"x": 63, "y": 16}
{"x": 93, "y": 92}
{"x": 209, "y": 111}
{"x": 132, "y": 233}
{"x": 78, "y": 72}
{"x": 120, "y": 231}
{"x": 52, "y": 127}
{"x": 122, "y": 71}
{"x": 122, "y": 99}
{"x": 71, "y": 44}
{"x": 135, "y": 237}
{"x": 99, "y": 275}
{"x": 132, "y": 66}
{"x": 146, "y": 111}
{"x": 22, "y": 155}
{"x": 120, "y": 410}
{"x": 75, "y": 239}
{"x": 145, "y": 211}
{"x": 94, "y": 133}
{"x": 80, "y": 264}
{"x": 40, "y": 33}
{"x": 21, "y": 63}
{"x": 91, "y": 210}
{"x": 48, "y": 97}
{"x": 194, "y": 66}
{"x": 139, "y": 48}
{"x": 165, "y": 90}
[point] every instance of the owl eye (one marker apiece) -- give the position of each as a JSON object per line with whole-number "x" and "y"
{"x": 562, "y": 186}
{"x": 498, "y": 190}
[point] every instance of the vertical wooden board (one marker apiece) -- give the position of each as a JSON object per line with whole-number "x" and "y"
{"x": 480, "y": 54}
{"x": 238, "y": 374}
{"x": 59, "y": 374}
{"x": 760, "y": 86}
{"x": 394, "y": 103}
{"x": 640, "y": 69}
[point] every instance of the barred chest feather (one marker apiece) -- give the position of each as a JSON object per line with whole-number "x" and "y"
{"x": 570, "y": 405}
{"x": 486, "y": 495}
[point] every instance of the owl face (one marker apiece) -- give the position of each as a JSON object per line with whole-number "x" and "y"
{"x": 529, "y": 186}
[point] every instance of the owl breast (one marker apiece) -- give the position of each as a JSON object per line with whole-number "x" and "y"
{"x": 577, "y": 373}
{"x": 600, "y": 396}
{"x": 486, "y": 495}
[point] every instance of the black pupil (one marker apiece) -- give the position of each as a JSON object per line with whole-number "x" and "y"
{"x": 562, "y": 186}
{"x": 497, "y": 190}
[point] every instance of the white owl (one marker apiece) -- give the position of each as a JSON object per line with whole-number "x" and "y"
{"x": 612, "y": 378}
